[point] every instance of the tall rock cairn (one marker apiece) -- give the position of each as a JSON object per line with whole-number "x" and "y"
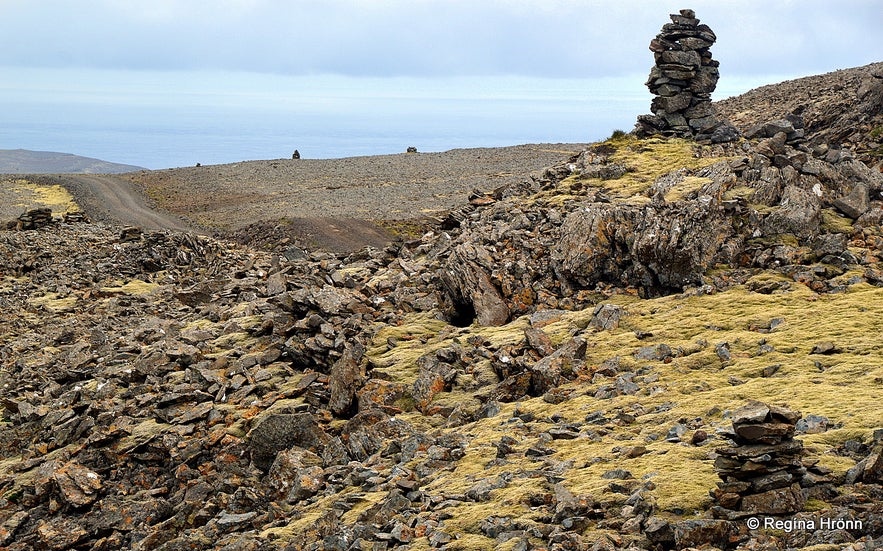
{"x": 682, "y": 79}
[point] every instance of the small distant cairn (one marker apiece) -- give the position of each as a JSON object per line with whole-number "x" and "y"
{"x": 411, "y": 149}
{"x": 296, "y": 154}
{"x": 763, "y": 470}
{"x": 682, "y": 79}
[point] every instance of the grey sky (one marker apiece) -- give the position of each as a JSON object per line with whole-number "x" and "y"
{"x": 540, "y": 38}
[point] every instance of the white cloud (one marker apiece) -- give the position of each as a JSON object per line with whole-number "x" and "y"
{"x": 561, "y": 38}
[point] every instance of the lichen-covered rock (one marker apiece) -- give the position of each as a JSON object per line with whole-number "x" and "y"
{"x": 653, "y": 247}
{"x": 280, "y": 431}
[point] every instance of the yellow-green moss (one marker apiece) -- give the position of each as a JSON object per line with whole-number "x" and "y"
{"x": 647, "y": 160}
{"x": 55, "y": 304}
{"x": 834, "y": 223}
{"x": 31, "y": 195}
{"x": 133, "y": 287}
{"x": 685, "y": 187}
{"x": 303, "y": 523}
{"x": 687, "y": 387}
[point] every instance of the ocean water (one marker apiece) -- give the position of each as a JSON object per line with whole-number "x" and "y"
{"x": 168, "y": 119}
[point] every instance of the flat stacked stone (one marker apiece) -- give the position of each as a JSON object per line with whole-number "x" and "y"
{"x": 762, "y": 471}
{"x": 32, "y": 219}
{"x": 682, "y": 80}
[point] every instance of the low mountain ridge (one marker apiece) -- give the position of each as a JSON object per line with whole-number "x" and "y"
{"x": 24, "y": 161}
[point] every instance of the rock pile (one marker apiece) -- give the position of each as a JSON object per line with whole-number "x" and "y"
{"x": 682, "y": 80}
{"x": 32, "y": 219}
{"x": 37, "y": 218}
{"x": 762, "y": 472}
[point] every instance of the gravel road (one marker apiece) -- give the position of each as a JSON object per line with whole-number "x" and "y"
{"x": 113, "y": 199}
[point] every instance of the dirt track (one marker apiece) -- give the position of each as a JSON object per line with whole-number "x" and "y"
{"x": 334, "y": 204}
{"x": 113, "y": 199}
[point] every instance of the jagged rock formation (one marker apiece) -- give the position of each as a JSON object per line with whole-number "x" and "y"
{"x": 682, "y": 80}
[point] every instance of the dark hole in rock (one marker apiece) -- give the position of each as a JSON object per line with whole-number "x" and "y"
{"x": 462, "y": 315}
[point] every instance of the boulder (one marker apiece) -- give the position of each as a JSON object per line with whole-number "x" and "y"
{"x": 275, "y": 432}
{"x": 469, "y": 286}
{"x": 655, "y": 247}
{"x": 345, "y": 379}
{"x": 856, "y": 203}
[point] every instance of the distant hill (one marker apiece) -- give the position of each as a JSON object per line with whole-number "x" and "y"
{"x": 23, "y": 161}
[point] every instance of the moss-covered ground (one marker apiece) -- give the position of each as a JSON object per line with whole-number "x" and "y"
{"x": 19, "y": 195}
{"x": 695, "y": 387}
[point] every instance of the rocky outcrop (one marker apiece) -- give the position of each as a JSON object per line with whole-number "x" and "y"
{"x": 682, "y": 79}
{"x": 660, "y": 247}
{"x": 767, "y": 205}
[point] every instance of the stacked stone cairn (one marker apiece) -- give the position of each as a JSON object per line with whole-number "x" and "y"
{"x": 762, "y": 471}
{"x": 682, "y": 80}
{"x": 32, "y": 219}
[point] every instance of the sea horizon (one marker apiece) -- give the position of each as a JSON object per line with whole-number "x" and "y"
{"x": 162, "y": 120}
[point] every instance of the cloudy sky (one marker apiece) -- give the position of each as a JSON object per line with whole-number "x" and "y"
{"x": 169, "y": 82}
{"x": 429, "y": 38}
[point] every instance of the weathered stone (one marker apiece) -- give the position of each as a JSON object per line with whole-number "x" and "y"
{"x": 280, "y": 431}
{"x": 538, "y": 340}
{"x": 344, "y": 381}
{"x": 798, "y": 213}
{"x": 657, "y": 352}
{"x": 770, "y": 129}
{"x": 781, "y": 501}
{"x": 470, "y": 287}
{"x": 558, "y": 366}
{"x": 11, "y": 525}
{"x": 286, "y": 468}
{"x": 769, "y": 433}
{"x": 607, "y": 316}
{"x": 647, "y": 247}
{"x": 78, "y": 485}
{"x": 824, "y": 348}
{"x": 695, "y": 533}
{"x": 60, "y": 533}
{"x": 813, "y": 424}
{"x": 277, "y": 284}
{"x": 873, "y": 468}
{"x": 659, "y": 530}
{"x": 308, "y": 482}
{"x": 783, "y": 414}
{"x": 856, "y": 203}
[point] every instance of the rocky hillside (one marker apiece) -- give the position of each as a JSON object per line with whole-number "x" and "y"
{"x": 840, "y": 108}
{"x": 650, "y": 346}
